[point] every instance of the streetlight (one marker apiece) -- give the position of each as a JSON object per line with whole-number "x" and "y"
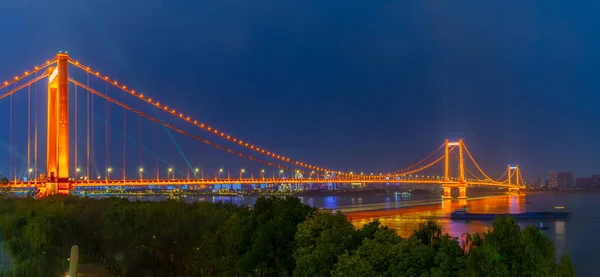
{"x": 281, "y": 173}
{"x": 141, "y": 171}
{"x": 170, "y": 170}
{"x": 196, "y": 173}
{"x": 262, "y": 173}
{"x": 29, "y": 173}
{"x": 220, "y": 170}
{"x": 108, "y": 171}
{"x": 242, "y": 172}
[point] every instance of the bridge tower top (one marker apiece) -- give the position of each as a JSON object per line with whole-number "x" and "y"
{"x": 514, "y": 171}
{"x": 461, "y": 164}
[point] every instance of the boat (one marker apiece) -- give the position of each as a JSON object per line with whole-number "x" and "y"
{"x": 461, "y": 214}
{"x": 528, "y": 202}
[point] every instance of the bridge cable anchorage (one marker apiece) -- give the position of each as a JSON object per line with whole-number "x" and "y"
{"x": 229, "y": 150}
{"x": 477, "y": 165}
{"x": 203, "y": 126}
{"x": 35, "y": 69}
{"x": 419, "y": 162}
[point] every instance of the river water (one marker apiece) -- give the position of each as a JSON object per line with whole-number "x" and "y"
{"x": 576, "y": 236}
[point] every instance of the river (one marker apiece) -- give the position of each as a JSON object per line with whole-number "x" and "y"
{"x": 576, "y": 236}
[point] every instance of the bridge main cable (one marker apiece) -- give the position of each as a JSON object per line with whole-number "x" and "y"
{"x": 421, "y": 168}
{"x": 116, "y": 102}
{"x": 22, "y": 86}
{"x": 203, "y": 126}
{"x": 27, "y": 73}
{"x": 399, "y": 171}
{"x": 478, "y": 167}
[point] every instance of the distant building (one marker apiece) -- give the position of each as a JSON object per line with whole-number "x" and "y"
{"x": 595, "y": 181}
{"x": 583, "y": 182}
{"x": 560, "y": 180}
{"x": 546, "y": 183}
{"x": 538, "y": 182}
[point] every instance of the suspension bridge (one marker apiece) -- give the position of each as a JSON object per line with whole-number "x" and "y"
{"x": 72, "y": 107}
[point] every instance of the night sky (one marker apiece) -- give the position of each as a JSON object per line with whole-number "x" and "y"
{"x": 351, "y": 85}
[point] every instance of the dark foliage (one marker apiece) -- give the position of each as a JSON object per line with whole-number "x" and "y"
{"x": 277, "y": 237}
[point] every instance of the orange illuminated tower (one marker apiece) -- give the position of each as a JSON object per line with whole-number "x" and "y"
{"x": 58, "y": 127}
{"x": 462, "y": 184}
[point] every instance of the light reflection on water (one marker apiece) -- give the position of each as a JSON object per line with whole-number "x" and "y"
{"x": 405, "y": 220}
{"x": 577, "y": 236}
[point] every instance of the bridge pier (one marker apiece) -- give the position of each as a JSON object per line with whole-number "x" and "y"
{"x": 447, "y": 192}
{"x": 462, "y": 192}
{"x": 513, "y": 191}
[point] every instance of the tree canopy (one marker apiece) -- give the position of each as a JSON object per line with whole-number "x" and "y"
{"x": 276, "y": 237}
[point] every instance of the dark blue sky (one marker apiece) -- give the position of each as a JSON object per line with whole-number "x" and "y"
{"x": 354, "y": 85}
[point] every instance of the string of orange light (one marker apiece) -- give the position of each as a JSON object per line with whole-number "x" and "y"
{"x": 421, "y": 161}
{"x": 503, "y": 174}
{"x": 22, "y": 86}
{"x": 477, "y": 165}
{"x": 206, "y": 127}
{"x": 203, "y": 126}
{"x": 477, "y": 177}
{"x": 107, "y": 98}
{"x": 421, "y": 168}
{"x": 27, "y": 73}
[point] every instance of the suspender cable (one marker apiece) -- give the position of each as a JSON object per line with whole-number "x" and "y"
{"x": 93, "y": 161}
{"x": 29, "y": 170}
{"x": 124, "y": 136}
{"x": 87, "y": 110}
{"x": 10, "y": 143}
{"x": 35, "y": 132}
{"x": 107, "y": 138}
{"x": 140, "y": 142}
{"x": 75, "y": 149}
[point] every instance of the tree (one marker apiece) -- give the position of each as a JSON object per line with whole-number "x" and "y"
{"x": 320, "y": 240}
{"x": 506, "y": 250}
{"x": 4, "y": 186}
{"x": 268, "y": 237}
{"x": 374, "y": 257}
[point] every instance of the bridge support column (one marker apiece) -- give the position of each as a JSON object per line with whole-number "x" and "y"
{"x": 513, "y": 191}
{"x": 462, "y": 192}
{"x": 57, "y": 148}
{"x": 447, "y": 192}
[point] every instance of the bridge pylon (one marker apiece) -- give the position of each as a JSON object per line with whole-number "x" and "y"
{"x": 514, "y": 171}
{"x": 57, "y": 142}
{"x": 462, "y": 186}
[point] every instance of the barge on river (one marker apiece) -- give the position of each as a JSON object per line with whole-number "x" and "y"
{"x": 463, "y": 215}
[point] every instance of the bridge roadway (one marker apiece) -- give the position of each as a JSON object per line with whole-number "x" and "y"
{"x": 250, "y": 181}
